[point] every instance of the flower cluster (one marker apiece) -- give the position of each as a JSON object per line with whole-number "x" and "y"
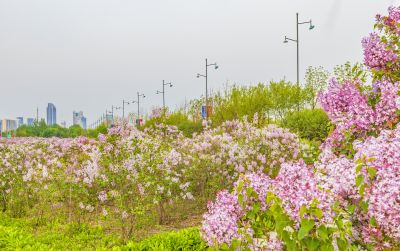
{"x": 297, "y": 187}
{"x": 350, "y": 108}
{"x": 220, "y": 223}
{"x": 382, "y": 155}
{"x": 377, "y": 55}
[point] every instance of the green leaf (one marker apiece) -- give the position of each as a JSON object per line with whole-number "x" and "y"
{"x": 351, "y": 208}
{"x": 318, "y": 212}
{"x": 362, "y": 189}
{"x": 359, "y": 180}
{"x": 256, "y": 207}
{"x": 290, "y": 244}
{"x": 240, "y": 199}
{"x": 312, "y": 244}
{"x": 322, "y": 232}
{"x": 372, "y": 221}
{"x": 371, "y": 172}
{"x": 327, "y": 247}
{"x": 342, "y": 244}
{"x": 235, "y": 244}
{"x": 359, "y": 168}
{"x": 303, "y": 210}
{"x": 359, "y": 161}
{"x": 305, "y": 228}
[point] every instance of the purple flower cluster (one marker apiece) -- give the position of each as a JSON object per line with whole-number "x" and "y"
{"x": 383, "y": 193}
{"x": 337, "y": 175}
{"x": 385, "y": 110}
{"x": 377, "y": 55}
{"x": 297, "y": 186}
{"x": 220, "y": 223}
{"x": 350, "y": 111}
{"x": 346, "y": 106}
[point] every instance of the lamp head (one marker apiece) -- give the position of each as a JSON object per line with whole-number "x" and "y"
{"x": 216, "y": 66}
{"x": 285, "y": 41}
{"x": 311, "y": 25}
{"x": 198, "y": 75}
{"x": 170, "y": 85}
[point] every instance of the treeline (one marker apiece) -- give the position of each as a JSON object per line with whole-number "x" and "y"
{"x": 41, "y": 129}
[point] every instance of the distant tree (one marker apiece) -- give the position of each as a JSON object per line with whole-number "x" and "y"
{"x": 239, "y": 101}
{"x": 75, "y": 131}
{"x": 316, "y": 79}
{"x": 285, "y": 97}
{"x": 350, "y": 72}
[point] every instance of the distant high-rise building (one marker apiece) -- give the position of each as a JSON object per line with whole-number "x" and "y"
{"x": 30, "y": 121}
{"x": 20, "y": 121}
{"x": 51, "y": 114}
{"x": 84, "y": 122}
{"x": 8, "y": 125}
{"x": 79, "y": 119}
{"x": 64, "y": 124}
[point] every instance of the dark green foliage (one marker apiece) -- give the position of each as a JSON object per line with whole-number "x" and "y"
{"x": 238, "y": 102}
{"x": 309, "y": 124}
{"x": 270, "y": 101}
{"x": 41, "y": 129}
{"x": 178, "y": 119}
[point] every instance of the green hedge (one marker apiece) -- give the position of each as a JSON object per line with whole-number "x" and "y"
{"x": 311, "y": 124}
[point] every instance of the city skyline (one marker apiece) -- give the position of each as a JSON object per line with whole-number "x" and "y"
{"x": 90, "y": 55}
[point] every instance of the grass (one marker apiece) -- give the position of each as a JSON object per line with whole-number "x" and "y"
{"x": 25, "y": 234}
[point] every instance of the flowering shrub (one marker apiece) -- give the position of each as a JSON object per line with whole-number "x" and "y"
{"x": 347, "y": 200}
{"x": 130, "y": 177}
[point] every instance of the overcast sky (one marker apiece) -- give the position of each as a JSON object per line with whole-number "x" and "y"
{"x": 90, "y": 54}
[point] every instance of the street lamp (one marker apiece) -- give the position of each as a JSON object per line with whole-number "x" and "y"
{"x": 112, "y": 112}
{"x": 106, "y": 116}
{"x": 163, "y": 92}
{"x": 123, "y": 107}
{"x": 206, "y": 77}
{"x": 297, "y": 40}
{"x": 138, "y": 103}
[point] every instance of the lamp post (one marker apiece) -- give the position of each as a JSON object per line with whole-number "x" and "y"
{"x": 297, "y": 41}
{"x": 138, "y": 104}
{"x": 123, "y": 107}
{"x": 206, "y": 77}
{"x": 163, "y": 92}
{"x": 112, "y": 112}
{"x": 106, "y": 116}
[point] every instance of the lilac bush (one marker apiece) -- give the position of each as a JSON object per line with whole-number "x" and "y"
{"x": 349, "y": 199}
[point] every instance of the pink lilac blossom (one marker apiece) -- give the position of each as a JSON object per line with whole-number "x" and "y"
{"x": 220, "y": 224}
{"x": 260, "y": 183}
{"x": 349, "y": 111}
{"x": 297, "y": 186}
{"x": 383, "y": 194}
{"x": 337, "y": 174}
{"x": 385, "y": 110}
{"x": 346, "y": 106}
{"x": 377, "y": 55}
